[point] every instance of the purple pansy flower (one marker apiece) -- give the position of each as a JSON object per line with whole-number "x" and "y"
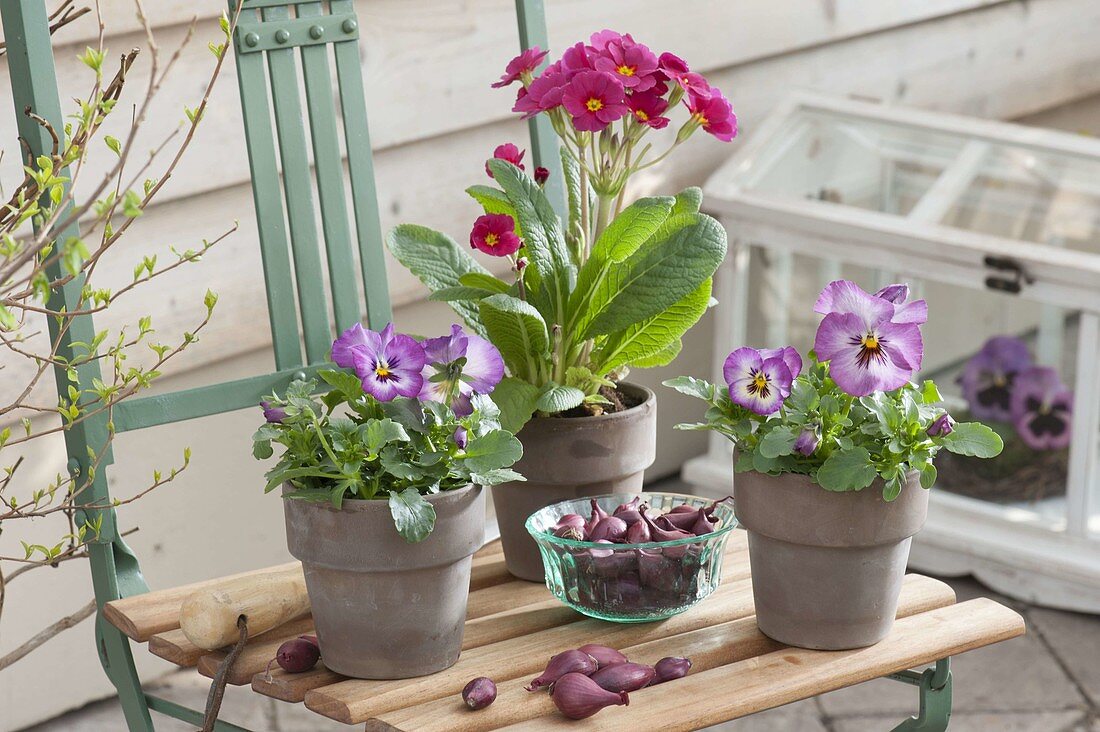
{"x": 904, "y": 311}
{"x": 988, "y": 377}
{"x": 788, "y": 354}
{"x": 807, "y": 441}
{"x": 458, "y": 366}
{"x": 1042, "y": 409}
{"x": 388, "y": 363}
{"x": 868, "y": 347}
{"x": 461, "y": 438}
{"x": 756, "y": 383}
{"x": 941, "y": 426}
{"x": 272, "y": 413}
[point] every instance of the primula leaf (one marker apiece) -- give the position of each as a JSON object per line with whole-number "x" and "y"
{"x": 688, "y": 200}
{"x": 974, "y": 439}
{"x": 637, "y": 223}
{"x": 653, "y": 335}
{"x": 439, "y": 262}
{"x": 662, "y": 358}
{"x": 542, "y": 235}
{"x": 847, "y": 470}
{"x": 558, "y": 398}
{"x": 483, "y": 282}
{"x": 517, "y": 330}
{"x": 668, "y": 267}
{"x": 517, "y": 400}
{"x": 460, "y": 293}
{"x": 777, "y": 442}
{"x": 494, "y": 201}
{"x": 493, "y": 450}
{"x": 413, "y": 516}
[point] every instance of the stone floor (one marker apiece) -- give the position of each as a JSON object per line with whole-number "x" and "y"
{"x": 1046, "y": 681}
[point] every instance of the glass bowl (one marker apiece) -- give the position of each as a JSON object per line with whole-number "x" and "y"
{"x": 632, "y": 583}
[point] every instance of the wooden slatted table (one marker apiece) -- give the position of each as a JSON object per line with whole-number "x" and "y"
{"x": 513, "y": 627}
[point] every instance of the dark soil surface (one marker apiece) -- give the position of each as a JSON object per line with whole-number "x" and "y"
{"x": 620, "y": 402}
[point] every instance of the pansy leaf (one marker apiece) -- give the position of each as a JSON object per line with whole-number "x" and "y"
{"x": 777, "y": 442}
{"x": 380, "y": 432}
{"x": 691, "y": 386}
{"x": 893, "y": 487}
{"x": 438, "y": 261}
{"x": 517, "y": 399}
{"x": 558, "y": 398}
{"x": 413, "y": 516}
{"x": 928, "y": 475}
{"x": 409, "y": 413}
{"x": 496, "y": 477}
{"x": 493, "y": 450}
{"x": 974, "y": 439}
{"x": 847, "y": 470}
{"x": 517, "y": 330}
{"x": 345, "y": 383}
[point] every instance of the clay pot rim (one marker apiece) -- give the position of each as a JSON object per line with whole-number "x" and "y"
{"x": 647, "y": 403}
{"x": 729, "y": 517}
{"x": 363, "y": 503}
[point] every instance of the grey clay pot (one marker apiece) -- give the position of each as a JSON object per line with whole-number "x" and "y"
{"x": 827, "y": 567}
{"x": 385, "y": 608}
{"x": 573, "y": 457}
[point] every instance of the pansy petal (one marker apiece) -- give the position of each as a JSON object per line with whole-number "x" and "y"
{"x": 788, "y": 354}
{"x": 915, "y": 312}
{"x": 845, "y": 296}
{"x": 354, "y": 336}
{"x": 838, "y": 342}
{"x": 902, "y": 343}
{"x": 741, "y": 363}
{"x": 484, "y": 365}
{"x": 446, "y": 349}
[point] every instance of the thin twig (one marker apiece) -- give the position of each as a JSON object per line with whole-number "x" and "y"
{"x": 47, "y": 633}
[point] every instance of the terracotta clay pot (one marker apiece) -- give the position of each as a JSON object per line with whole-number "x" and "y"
{"x": 573, "y": 457}
{"x": 385, "y": 608}
{"x": 827, "y": 567}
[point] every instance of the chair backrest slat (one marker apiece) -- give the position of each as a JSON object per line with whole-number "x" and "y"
{"x": 274, "y": 244}
{"x": 298, "y": 192}
{"x": 368, "y": 223}
{"x": 329, "y": 169}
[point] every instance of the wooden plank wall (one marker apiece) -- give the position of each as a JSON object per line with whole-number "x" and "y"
{"x": 434, "y": 118}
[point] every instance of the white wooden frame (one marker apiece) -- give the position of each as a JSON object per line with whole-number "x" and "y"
{"x": 1021, "y": 552}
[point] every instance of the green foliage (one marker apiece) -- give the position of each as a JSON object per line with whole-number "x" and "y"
{"x": 347, "y": 445}
{"x": 882, "y": 437}
{"x": 578, "y": 317}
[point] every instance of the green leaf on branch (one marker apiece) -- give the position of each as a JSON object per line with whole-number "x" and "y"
{"x": 672, "y": 264}
{"x": 493, "y": 450}
{"x": 693, "y": 387}
{"x": 688, "y": 200}
{"x": 378, "y": 433}
{"x": 517, "y": 329}
{"x": 777, "y": 442}
{"x": 662, "y": 358}
{"x": 413, "y": 516}
{"x": 847, "y": 470}
{"x": 637, "y": 223}
{"x": 459, "y": 294}
{"x": 483, "y": 282}
{"x": 517, "y": 400}
{"x": 558, "y": 398}
{"x": 494, "y": 201}
{"x": 974, "y": 439}
{"x": 655, "y": 335}
{"x": 496, "y": 477}
{"x": 439, "y": 262}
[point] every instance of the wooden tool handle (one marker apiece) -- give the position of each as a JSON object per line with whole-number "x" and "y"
{"x": 209, "y": 616}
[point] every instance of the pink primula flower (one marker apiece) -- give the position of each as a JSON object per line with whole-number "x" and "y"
{"x": 648, "y": 108}
{"x": 508, "y": 152}
{"x": 595, "y": 99}
{"x": 525, "y": 63}
{"x": 632, "y": 63}
{"x": 714, "y": 113}
{"x": 495, "y": 234}
{"x": 543, "y": 95}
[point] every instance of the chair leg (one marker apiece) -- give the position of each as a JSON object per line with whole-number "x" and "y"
{"x": 118, "y": 663}
{"x": 935, "y": 698}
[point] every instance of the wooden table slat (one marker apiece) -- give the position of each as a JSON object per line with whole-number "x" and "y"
{"x": 790, "y": 674}
{"x": 707, "y": 648}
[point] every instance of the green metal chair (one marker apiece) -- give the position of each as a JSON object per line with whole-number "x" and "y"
{"x": 275, "y": 41}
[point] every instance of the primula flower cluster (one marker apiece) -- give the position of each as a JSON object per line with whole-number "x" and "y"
{"x": 612, "y": 77}
{"x": 1002, "y": 383}
{"x": 448, "y": 369}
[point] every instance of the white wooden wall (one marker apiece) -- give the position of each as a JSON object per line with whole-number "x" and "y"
{"x": 434, "y": 119}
